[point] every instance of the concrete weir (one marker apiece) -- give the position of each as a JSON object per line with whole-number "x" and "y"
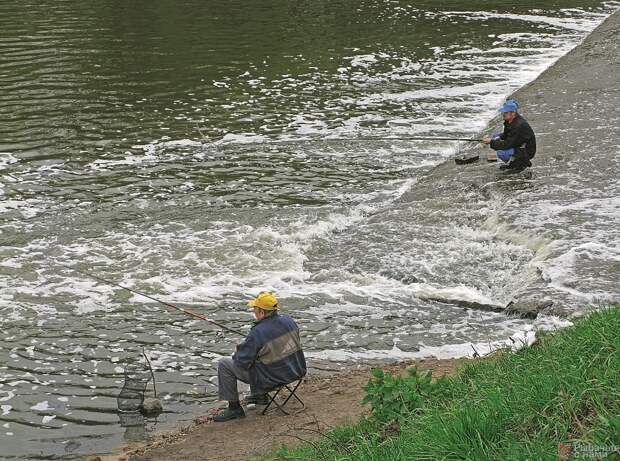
{"x": 567, "y": 210}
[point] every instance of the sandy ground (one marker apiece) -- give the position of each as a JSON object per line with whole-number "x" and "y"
{"x": 331, "y": 399}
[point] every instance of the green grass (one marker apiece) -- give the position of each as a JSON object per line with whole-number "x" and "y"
{"x": 516, "y": 406}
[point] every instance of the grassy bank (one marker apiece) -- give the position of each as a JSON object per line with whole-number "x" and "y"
{"x": 564, "y": 389}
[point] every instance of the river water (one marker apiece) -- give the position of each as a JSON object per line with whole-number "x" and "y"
{"x": 186, "y": 149}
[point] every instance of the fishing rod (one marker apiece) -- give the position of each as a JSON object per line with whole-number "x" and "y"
{"x": 185, "y": 311}
{"x": 404, "y": 138}
{"x": 394, "y": 138}
{"x": 361, "y": 138}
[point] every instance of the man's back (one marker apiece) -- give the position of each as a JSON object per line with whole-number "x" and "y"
{"x": 273, "y": 353}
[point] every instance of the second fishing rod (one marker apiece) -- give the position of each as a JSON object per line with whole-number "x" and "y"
{"x": 377, "y": 138}
{"x": 223, "y": 142}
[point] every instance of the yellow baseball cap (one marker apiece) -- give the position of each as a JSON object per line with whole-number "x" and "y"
{"x": 265, "y": 300}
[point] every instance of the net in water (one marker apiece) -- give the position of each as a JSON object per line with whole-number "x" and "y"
{"x": 131, "y": 396}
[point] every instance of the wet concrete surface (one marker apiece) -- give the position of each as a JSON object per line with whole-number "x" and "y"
{"x": 566, "y": 208}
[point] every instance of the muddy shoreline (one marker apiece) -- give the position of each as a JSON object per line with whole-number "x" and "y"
{"x": 566, "y": 104}
{"x": 331, "y": 399}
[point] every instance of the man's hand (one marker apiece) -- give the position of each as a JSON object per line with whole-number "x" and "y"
{"x": 486, "y": 139}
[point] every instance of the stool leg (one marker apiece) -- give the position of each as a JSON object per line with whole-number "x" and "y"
{"x": 292, "y": 393}
{"x": 272, "y": 399}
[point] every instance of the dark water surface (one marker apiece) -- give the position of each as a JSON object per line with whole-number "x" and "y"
{"x": 185, "y": 148}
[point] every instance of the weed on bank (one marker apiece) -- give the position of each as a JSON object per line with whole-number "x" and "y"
{"x": 559, "y": 399}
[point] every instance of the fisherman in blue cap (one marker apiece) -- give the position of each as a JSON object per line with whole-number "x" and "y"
{"x": 516, "y": 146}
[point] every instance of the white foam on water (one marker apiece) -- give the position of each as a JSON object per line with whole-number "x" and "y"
{"x": 304, "y": 125}
{"x": 129, "y": 159}
{"x": 460, "y": 293}
{"x": 27, "y": 208}
{"x": 6, "y": 409}
{"x": 283, "y": 248}
{"x": 242, "y": 138}
{"x": 515, "y": 341}
{"x": 166, "y": 143}
{"x": 447, "y": 351}
{"x": 503, "y": 231}
{"x": 303, "y": 232}
{"x": 6, "y": 159}
{"x": 41, "y": 406}
{"x": 480, "y": 89}
{"x": 595, "y": 207}
{"x": 481, "y": 98}
{"x": 47, "y": 418}
{"x": 12, "y": 263}
{"x": 365, "y": 60}
{"x": 88, "y": 305}
{"x": 9, "y": 395}
{"x": 277, "y": 263}
{"x": 585, "y": 23}
{"x": 156, "y": 152}
{"x": 582, "y": 227}
{"x": 561, "y": 271}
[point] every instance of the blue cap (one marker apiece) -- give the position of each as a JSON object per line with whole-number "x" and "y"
{"x": 509, "y": 106}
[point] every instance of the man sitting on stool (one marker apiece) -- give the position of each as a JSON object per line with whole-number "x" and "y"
{"x": 517, "y": 144}
{"x": 270, "y": 355}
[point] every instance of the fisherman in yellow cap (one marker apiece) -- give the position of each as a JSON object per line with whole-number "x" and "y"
{"x": 271, "y": 355}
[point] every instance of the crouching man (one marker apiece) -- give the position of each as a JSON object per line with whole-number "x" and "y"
{"x": 271, "y": 355}
{"x": 516, "y": 146}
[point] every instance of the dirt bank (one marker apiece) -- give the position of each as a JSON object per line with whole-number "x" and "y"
{"x": 331, "y": 399}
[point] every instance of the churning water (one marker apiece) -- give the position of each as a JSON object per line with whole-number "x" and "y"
{"x": 186, "y": 149}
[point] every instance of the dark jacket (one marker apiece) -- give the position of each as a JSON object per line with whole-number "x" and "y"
{"x": 272, "y": 353}
{"x": 520, "y": 136}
